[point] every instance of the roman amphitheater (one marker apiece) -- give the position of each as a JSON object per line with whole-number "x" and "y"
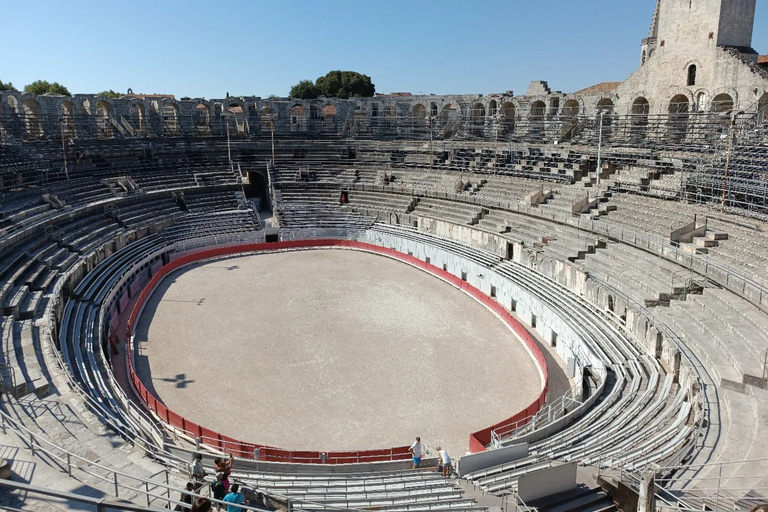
{"x": 569, "y": 292}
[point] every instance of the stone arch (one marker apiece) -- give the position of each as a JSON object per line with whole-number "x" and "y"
{"x": 691, "y": 75}
{"x": 538, "y": 109}
{"x": 536, "y": 118}
{"x": 33, "y": 118}
{"x": 419, "y": 111}
{"x": 329, "y": 113}
{"x": 677, "y": 124}
{"x": 298, "y": 116}
{"x": 67, "y": 119}
{"x": 171, "y": 118}
{"x": 639, "y": 113}
{"x": 138, "y": 115}
{"x": 493, "y": 107}
{"x": 433, "y": 109}
{"x": 236, "y": 117}
{"x": 508, "y": 111}
{"x": 104, "y": 128}
{"x": 571, "y": 108}
{"x": 202, "y": 119}
{"x": 641, "y": 106}
{"x": 448, "y": 111}
{"x": 723, "y": 102}
{"x": 606, "y": 104}
{"x": 762, "y": 108}
{"x": 477, "y": 113}
{"x": 267, "y": 117}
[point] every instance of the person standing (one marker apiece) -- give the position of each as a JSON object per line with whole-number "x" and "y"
{"x": 219, "y": 487}
{"x": 235, "y": 497}
{"x": 186, "y": 497}
{"x": 445, "y": 461}
{"x": 198, "y": 472}
{"x": 415, "y": 450}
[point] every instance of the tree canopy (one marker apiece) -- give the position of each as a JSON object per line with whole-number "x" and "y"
{"x": 110, "y": 94}
{"x": 39, "y": 87}
{"x": 305, "y": 90}
{"x": 6, "y": 87}
{"x": 335, "y": 84}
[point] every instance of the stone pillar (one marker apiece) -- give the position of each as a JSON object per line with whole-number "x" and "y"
{"x": 646, "y": 500}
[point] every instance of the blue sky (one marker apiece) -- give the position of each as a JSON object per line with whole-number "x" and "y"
{"x": 206, "y": 49}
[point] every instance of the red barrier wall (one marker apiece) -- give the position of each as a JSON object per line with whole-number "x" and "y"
{"x": 477, "y": 440}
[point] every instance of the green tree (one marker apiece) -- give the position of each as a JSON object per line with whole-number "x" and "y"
{"x": 110, "y": 94}
{"x": 39, "y": 87}
{"x": 345, "y": 84}
{"x": 305, "y": 90}
{"x": 6, "y": 87}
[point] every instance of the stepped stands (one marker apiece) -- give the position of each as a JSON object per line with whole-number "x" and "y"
{"x": 459, "y": 213}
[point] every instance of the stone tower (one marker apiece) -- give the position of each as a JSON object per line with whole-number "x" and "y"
{"x": 697, "y": 57}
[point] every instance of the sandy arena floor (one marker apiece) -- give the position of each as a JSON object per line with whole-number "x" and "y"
{"x": 330, "y": 350}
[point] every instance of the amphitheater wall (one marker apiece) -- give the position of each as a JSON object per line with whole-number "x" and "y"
{"x": 529, "y": 309}
{"x": 473, "y": 237}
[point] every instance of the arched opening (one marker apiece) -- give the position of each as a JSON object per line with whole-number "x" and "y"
{"x": 508, "y": 117}
{"x": 298, "y": 116}
{"x": 419, "y": 111}
{"x": 492, "y": 107}
{"x": 477, "y": 114}
{"x": 67, "y": 120}
{"x": 610, "y": 303}
{"x": 433, "y": 109}
{"x": 313, "y": 111}
{"x": 171, "y": 119}
{"x": 701, "y": 102}
{"x": 477, "y": 119}
{"x": 329, "y": 114}
{"x": 236, "y": 119}
{"x": 762, "y": 109}
{"x": 418, "y": 119}
{"x": 448, "y": 112}
{"x": 86, "y": 107}
{"x": 640, "y": 110}
{"x": 605, "y": 106}
{"x": 571, "y": 109}
{"x": 722, "y": 103}
{"x": 257, "y": 191}
{"x": 677, "y": 125}
{"x": 266, "y": 118}
{"x": 362, "y": 123}
{"x": 202, "y": 119}
{"x": 137, "y": 118}
{"x": 536, "y": 118}
{"x": 691, "y": 75}
{"x": 33, "y": 116}
{"x": 104, "y": 127}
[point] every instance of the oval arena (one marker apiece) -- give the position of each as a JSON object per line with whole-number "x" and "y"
{"x": 567, "y": 291}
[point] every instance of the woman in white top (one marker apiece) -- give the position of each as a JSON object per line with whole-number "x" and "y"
{"x": 445, "y": 461}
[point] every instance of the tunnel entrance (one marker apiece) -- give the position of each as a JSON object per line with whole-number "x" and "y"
{"x": 258, "y": 191}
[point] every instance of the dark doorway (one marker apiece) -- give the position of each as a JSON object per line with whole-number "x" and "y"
{"x": 257, "y": 190}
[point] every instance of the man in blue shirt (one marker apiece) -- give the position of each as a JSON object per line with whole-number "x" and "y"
{"x": 234, "y": 497}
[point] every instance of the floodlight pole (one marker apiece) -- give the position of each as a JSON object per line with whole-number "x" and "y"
{"x": 431, "y": 153}
{"x": 63, "y": 146}
{"x": 600, "y": 147}
{"x": 229, "y": 146}
{"x": 734, "y": 115}
{"x": 272, "y": 129}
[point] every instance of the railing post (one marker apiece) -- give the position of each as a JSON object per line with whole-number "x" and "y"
{"x": 146, "y": 488}
{"x": 69, "y": 465}
{"x": 32, "y": 443}
{"x": 114, "y": 475}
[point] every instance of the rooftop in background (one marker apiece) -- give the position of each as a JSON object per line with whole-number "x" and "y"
{"x": 599, "y": 88}
{"x": 155, "y": 96}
